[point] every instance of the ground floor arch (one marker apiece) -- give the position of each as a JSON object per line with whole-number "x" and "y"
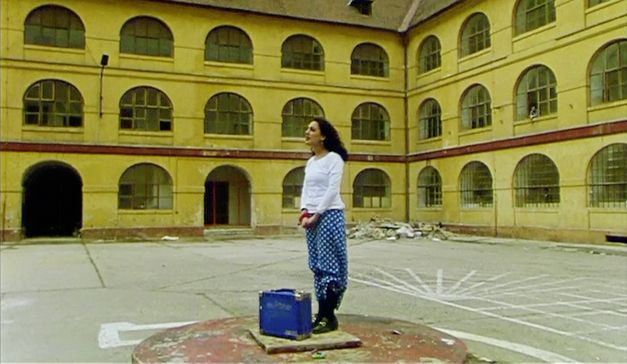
{"x": 227, "y": 197}
{"x": 52, "y": 201}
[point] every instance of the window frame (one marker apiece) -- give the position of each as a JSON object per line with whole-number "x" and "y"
{"x": 474, "y": 191}
{"x": 236, "y": 48}
{"x": 302, "y": 52}
{"x": 375, "y": 193}
{"x": 533, "y": 14}
{"x": 475, "y": 35}
{"x": 294, "y": 124}
{"x": 606, "y": 182}
{"x": 536, "y": 93}
{"x": 369, "y": 59}
{"x": 366, "y": 127}
{"x": 47, "y": 91}
{"x": 141, "y": 123}
{"x": 72, "y": 35}
{"x": 142, "y": 193}
{"x": 536, "y": 182}
{"x": 600, "y": 90}
{"x": 156, "y": 40}
{"x": 429, "y": 121}
{"x": 228, "y": 122}
{"x": 429, "y": 59}
{"x": 592, "y": 3}
{"x": 476, "y": 108}
{"x": 429, "y": 188}
{"x": 292, "y": 188}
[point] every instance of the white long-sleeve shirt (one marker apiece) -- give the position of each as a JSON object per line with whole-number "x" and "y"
{"x": 321, "y": 188}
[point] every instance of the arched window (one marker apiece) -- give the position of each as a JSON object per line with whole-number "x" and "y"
{"x": 608, "y": 74}
{"x": 476, "y": 34}
{"x": 532, "y": 14}
{"x": 592, "y": 3}
{"x": 476, "y": 108}
{"x": 370, "y": 60}
{"x": 372, "y": 189}
{"x": 536, "y": 94}
{"x": 145, "y": 109}
{"x": 53, "y": 103}
{"x": 536, "y": 182}
{"x": 228, "y": 44}
{"x": 228, "y": 113}
{"x": 429, "y": 119}
{"x": 302, "y": 52}
{"x": 297, "y": 114}
{"x": 370, "y": 121}
{"x": 429, "y": 188}
{"x": 429, "y": 54}
{"x": 292, "y": 188}
{"x": 54, "y": 26}
{"x": 607, "y": 177}
{"x": 475, "y": 183}
{"x": 145, "y": 186}
{"x": 146, "y": 36}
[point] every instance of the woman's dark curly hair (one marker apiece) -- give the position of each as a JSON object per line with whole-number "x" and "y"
{"x": 332, "y": 141}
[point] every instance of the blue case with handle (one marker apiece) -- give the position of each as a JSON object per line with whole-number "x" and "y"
{"x": 285, "y": 313}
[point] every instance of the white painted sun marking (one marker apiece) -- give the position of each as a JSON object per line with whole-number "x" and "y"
{"x": 493, "y": 293}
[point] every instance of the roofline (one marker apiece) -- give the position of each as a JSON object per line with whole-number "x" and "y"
{"x": 446, "y": 8}
{"x": 248, "y": 11}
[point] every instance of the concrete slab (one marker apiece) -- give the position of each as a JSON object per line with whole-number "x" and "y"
{"x": 333, "y": 340}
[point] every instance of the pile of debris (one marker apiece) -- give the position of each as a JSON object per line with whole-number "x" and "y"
{"x": 379, "y": 229}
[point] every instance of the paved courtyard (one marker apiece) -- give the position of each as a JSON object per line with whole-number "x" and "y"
{"x": 508, "y": 300}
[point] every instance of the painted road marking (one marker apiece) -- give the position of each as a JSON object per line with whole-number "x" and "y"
{"x": 451, "y": 295}
{"x": 544, "y": 355}
{"x": 109, "y": 335}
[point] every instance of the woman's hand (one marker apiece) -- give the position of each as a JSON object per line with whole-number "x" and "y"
{"x": 310, "y": 221}
{"x": 303, "y": 214}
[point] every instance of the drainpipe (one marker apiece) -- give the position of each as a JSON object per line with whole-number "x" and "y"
{"x": 405, "y": 40}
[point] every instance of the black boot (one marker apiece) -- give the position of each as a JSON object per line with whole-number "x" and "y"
{"x": 328, "y": 321}
{"x": 319, "y": 315}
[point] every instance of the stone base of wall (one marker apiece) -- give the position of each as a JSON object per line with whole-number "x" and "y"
{"x": 141, "y": 232}
{"x": 10, "y": 235}
{"x": 534, "y": 233}
{"x": 268, "y": 230}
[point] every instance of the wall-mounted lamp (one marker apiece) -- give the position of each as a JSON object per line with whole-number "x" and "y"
{"x": 104, "y": 61}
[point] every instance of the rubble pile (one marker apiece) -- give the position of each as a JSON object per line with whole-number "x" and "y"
{"x": 379, "y": 229}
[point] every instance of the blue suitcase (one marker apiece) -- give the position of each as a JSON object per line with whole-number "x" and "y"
{"x": 285, "y": 313}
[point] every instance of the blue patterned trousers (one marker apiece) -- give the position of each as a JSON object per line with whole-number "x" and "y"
{"x": 328, "y": 256}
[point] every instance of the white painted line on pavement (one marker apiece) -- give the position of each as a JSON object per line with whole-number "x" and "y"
{"x": 461, "y": 281}
{"x": 543, "y": 355}
{"x": 426, "y": 288}
{"x": 536, "y": 285}
{"x": 410, "y": 287}
{"x": 490, "y": 314}
{"x": 438, "y": 287}
{"x": 109, "y": 335}
{"x": 493, "y": 279}
{"x": 492, "y": 288}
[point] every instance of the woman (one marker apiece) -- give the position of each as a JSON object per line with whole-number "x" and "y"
{"x": 323, "y": 219}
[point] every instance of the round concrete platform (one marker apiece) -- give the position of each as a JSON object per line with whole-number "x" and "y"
{"x": 230, "y": 340}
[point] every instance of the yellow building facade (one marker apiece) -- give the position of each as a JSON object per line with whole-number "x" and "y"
{"x": 151, "y": 118}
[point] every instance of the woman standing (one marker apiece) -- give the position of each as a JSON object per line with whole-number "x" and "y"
{"x": 322, "y": 216}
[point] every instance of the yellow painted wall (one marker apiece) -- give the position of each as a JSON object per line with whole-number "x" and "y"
{"x": 567, "y": 48}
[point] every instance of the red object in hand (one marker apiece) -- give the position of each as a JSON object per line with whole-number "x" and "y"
{"x": 304, "y": 214}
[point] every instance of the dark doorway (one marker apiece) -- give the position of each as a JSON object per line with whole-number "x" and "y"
{"x": 216, "y": 203}
{"x": 227, "y": 197}
{"x": 52, "y": 202}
